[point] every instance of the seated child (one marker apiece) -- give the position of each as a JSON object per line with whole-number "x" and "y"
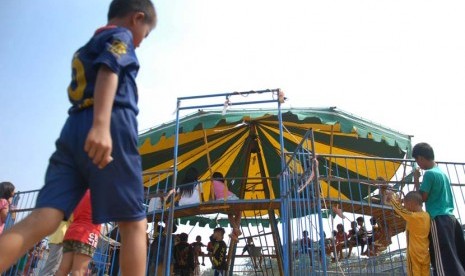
{"x": 341, "y": 240}
{"x": 371, "y": 238}
{"x": 352, "y": 237}
{"x": 381, "y": 239}
{"x": 222, "y": 193}
{"x": 190, "y": 190}
{"x": 362, "y": 235}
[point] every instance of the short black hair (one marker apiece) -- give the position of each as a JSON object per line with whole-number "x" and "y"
{"x": 219, "y": 229}
{"x": 121, "y": 8}
{"x": 218, "y": 176}
{"x": 424, "y": 150}
{"x": 183, "y": 237}
{"x": 360, "y": 219}
{"x": 6, "y": 190}
{"x": 414, "y": 196}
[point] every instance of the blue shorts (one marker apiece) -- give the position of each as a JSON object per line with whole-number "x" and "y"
{"x": 116, "y": 191}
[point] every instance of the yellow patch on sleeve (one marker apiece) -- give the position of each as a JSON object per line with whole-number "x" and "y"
{"x": 118, "y": 48}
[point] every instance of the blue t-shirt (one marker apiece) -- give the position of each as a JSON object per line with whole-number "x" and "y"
{"x": 112, "y": 46}
{"x": 437, "y": 185}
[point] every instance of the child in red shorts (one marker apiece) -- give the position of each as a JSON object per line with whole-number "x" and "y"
{"x": 80, "y": 240}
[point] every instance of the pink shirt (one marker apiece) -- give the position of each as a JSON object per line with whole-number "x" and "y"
{"x": 3, "y": 205}
{"x": 219, "y": 189}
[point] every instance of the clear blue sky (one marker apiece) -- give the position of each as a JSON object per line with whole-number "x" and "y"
{"x": 399, "y": 63}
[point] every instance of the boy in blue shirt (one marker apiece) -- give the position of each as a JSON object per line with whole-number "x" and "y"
{"x": 97, "y": 147}
{"x": 447, "y": 245}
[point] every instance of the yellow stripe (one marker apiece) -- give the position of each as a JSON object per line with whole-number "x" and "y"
{"x": 367, "y": 168}
{"x": 186, "y": 159}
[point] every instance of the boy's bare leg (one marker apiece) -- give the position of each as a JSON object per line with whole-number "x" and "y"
{"x": 133, "y": 247}
{"x": 66, "y": 264}
{"x": 16, "y": 241}
{"x": 350, "y": 250}
{"x": 80, "y": 264}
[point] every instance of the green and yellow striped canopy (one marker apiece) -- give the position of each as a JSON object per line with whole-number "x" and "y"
{"x": 244, "y": 145}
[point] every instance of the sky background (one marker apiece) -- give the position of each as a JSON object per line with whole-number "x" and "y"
{"x": 397, "y": 63}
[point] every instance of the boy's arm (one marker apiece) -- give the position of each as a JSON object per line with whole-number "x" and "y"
{"x": 416, "y": 180}
{"x": 98, "y": 144}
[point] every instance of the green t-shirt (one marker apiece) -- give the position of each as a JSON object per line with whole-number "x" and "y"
{"x": 437, "y": 185}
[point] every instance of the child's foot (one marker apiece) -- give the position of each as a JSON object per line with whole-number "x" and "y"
{"x": 203, "y": 264}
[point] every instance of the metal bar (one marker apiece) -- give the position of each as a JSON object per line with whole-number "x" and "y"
{"x": 169, "y": 227}
{"x": 229, "y": 94}
{"x": 221, "y": 105}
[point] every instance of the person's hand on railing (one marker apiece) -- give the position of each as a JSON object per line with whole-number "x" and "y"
{"x": 388, "y": 194}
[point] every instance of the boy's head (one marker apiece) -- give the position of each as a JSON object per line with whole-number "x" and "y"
{"x": 249, "y": 240}
{"x": 353, "y": 224}
{"x": 183, "y": 237}
{"x": 413, "y": 201}
{"x": 360, "y": 221}
{"x": 218, "y": 233}
{"x": 138, "y": 16}
{"x": 305, "y": 233}
{"x": 423, "y": 154}
{"x": 198, "y": 238}
{"x": 340, "y": 227}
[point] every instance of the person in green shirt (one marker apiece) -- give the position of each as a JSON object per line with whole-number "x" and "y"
{"x": 447, "y": 245}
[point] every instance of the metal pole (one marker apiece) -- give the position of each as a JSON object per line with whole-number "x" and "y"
{"x": 169, "y": 227}
{"x": 283, "y": 189}
{"x": 320, "y": 215}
